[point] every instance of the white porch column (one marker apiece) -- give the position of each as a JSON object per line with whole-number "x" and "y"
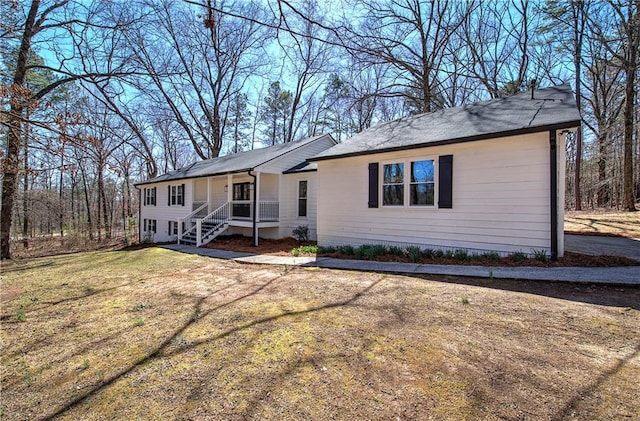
{"x": 229, "y": 187}
{"x": 257, "y": 187}
{"x": 209, "y": 195}
{"x": 198, "y": 232}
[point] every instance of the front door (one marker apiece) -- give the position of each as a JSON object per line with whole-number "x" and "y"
{"x": 242, "y": 200}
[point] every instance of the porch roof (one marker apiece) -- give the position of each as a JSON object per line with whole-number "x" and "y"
{"x": 239, "y": 162}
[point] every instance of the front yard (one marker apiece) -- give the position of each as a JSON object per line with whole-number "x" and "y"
{"x": 155, "y": 334}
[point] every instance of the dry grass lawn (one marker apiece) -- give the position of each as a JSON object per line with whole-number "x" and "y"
{"x": 623, "y": 224}
{"x": 155, "y": 334}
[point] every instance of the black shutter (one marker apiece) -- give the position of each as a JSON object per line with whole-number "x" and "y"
{"x": 182, "y": 195}
{"x": 373, "y": 185}
{"x": 445, "y": 182}
{"x": 144, "y": 197}
{"x": 169, "y": 195}
{"x": 155, "y": 189}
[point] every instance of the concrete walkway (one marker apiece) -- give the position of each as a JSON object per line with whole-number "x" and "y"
{"x": 594, "y": 245}
{"x": 617, "y": 275}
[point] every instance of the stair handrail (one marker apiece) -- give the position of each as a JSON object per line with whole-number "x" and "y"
{"x": 195, "y": 212}
{"x": 188, "y": 218}
{"x": 222, "y": 215}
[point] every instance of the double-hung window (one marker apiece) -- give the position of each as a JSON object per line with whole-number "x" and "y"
{"x": 302, "y": 198}
{"x": 173, "y": 228}
{"x": 422, "y": 185}
{"x": 419, "y": 183}
{"x": 149, "y": 225}
{"x": 149, "y": 196}
{"x": 393, "y": 184}
{"x": 176, "y": 195}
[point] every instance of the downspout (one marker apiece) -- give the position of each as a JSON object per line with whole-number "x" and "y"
{"x": 139, "y": 215}
{"x": 553, "y": 168}
{"x": 255, "y": 208}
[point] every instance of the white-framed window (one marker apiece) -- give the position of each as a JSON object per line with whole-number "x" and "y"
{"x": 149, "y": 196}
{"x": 413, "y": 188}
{"x": 173, "y": 228}
{"x": 302, "y": 198}
{"x": 149, "y": 225}
{"x": 422, "y": 183}
{"x": 176, "y": 195}
{"x": 393, "y": 184}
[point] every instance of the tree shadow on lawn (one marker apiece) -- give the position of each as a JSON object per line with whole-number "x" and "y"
{"x": 574, "y": 403}
{"x": 626, "y": 296}
{"x": 197, "y": 314}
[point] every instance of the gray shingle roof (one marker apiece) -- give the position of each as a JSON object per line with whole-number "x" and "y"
{"x": 302, "y": 167}
{"x": 239, "y": 162}
{"x": 551, "y": 108}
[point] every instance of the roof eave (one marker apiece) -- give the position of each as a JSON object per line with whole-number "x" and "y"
{"x": 486, "y": 136}
{"x": 192, "y": 177}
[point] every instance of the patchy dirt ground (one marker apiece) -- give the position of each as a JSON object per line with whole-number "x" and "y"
{"x": 156, "y": 334}
{"x": 285, "y": 246}
{"x": 601, "y": 222}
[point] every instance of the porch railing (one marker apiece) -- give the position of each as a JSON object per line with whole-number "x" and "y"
{"x": 267, "y": 210}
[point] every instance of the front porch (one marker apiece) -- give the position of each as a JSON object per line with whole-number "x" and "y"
{"x": 226, "y": 201}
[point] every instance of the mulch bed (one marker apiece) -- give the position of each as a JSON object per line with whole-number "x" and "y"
{"x": 284, "y": 246}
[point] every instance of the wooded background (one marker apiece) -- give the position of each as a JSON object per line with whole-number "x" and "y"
{"x": 98, "y": 94}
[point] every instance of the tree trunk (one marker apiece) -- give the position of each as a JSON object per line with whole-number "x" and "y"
{"x": 14, "y": 137}
{"x": 25, "y": 191}
{"x": 603, "y": 185}
{"x": 631, "y": 67}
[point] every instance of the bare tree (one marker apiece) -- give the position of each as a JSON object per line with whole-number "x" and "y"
{"x": 409, "y": 36}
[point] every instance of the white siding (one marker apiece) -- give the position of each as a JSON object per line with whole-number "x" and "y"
{"x": 200, "y": 190}
{"x": 298, "y": 155}
{"x": 217, "y": 195}
{"x": 269, "y": 187}
{"x": 162, "y": 212}
{"x": 500, "y": 199}
{"x": 289, "y": 218}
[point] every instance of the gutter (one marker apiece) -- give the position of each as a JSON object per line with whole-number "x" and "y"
{"x": 553, "y": 173}
{"x": 255, "y": 207}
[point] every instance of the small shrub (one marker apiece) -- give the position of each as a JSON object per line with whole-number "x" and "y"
{"x": 518, "y": 256}
{"x": 147, "y": 237}
{"x": 346, "y": 250}
{"x": 378, "y": 250}
{"x": 438, "y": 253}
{"x": 395, "y": 250}
{"x": 309, "y": 249}
{"x": 326, "y": 249}
{"x": 428, "y": 253}
{"x": 540, "y": 255}
{"x": 475, "y": 256}
{"x": 21, "y": 316}
{"x": 85, "y": 364}
{"x": 301, "y": 233}
{"x": 491, "y": 255}
{"x": 464, "y": 300}
{"x": 413, "y": 253}
{"x": 359, "y": 252}
{"x": 139, "y": 322}
{"x": 461, "y": 254}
